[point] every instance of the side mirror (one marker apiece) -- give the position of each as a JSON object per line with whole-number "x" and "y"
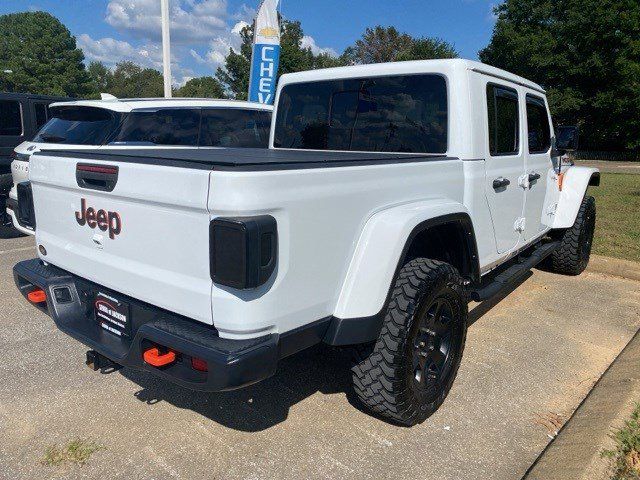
{"x": 567, "y": 138}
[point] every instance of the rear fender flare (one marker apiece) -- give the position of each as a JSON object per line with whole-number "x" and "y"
{"x": 381, "y": 247}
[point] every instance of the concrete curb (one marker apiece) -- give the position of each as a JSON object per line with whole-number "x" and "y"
{"x": 616, "y": 267}
{"x": 575, "y": 453}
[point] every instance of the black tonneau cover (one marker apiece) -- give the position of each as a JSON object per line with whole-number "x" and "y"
{"x": 242, "y": 158}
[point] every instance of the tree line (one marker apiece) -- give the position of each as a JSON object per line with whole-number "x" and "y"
{"x": 585, "y": 53}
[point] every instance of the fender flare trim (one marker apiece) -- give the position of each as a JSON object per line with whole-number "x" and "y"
{"x": 352, "y": 331}
{"x": 576, "y": 181}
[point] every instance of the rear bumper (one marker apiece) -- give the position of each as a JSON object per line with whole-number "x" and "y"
{"x": 231, "y": 363}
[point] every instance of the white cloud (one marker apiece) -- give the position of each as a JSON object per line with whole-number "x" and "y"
{"x": 111, "y": 51}
{"x": 309, "y": 42}
{"x": 237, "y": 28}
{"x": 190, "y": 21}
{"x": 202, "y": 33}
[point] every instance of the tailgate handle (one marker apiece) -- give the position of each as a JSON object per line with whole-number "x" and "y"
{"x": 97, "y": 177}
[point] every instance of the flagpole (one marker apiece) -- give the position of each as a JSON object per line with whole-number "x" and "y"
{"x": 166, "y": 47}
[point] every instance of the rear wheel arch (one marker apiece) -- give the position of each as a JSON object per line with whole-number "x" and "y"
{"x": 449, "y": 238}
{"x": 461, "y": 253}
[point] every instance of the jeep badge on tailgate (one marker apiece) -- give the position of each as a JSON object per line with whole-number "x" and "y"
{"x": 102, "y": 219}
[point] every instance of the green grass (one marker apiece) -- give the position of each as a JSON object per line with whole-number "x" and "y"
{"x": 75, "y": 452}
{"x": 625, "y": 457}
{"x": 618, "y": 216}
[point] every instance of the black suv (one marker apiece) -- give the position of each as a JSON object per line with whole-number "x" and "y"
{"x": 21, "y": 116}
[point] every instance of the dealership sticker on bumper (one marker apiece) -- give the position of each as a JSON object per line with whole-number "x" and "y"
{"x": 112, "y": 314}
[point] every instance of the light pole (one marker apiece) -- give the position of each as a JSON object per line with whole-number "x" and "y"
{"x": 166, "y": 47}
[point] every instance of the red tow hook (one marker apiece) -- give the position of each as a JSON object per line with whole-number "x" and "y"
{"x": 37, "y": 296}
{"x": 153, "y": 357}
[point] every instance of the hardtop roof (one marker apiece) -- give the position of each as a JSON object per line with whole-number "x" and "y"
{"x": 405, "y": 68}
{"x": 131, "y": 104}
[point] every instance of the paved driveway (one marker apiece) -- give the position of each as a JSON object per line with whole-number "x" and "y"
{"x": 530, "y": 360}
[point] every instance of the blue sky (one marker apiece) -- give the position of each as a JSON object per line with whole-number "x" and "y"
{"x": 203, "y": 30}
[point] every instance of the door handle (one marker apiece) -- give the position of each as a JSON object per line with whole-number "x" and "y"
{"x": 500, "y": 182}
{"x": 533, "y": 176}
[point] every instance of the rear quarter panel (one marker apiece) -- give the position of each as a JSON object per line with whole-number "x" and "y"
{"x": 321, "y": 214}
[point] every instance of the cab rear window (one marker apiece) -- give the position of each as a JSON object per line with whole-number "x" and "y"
{"x": 78, "y": 126}
{"x": 404, "y": 113}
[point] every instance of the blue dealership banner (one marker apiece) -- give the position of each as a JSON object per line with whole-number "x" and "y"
{"x": 264, "y": 72}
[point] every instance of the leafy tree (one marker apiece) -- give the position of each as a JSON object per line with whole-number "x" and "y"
{"x": 129, "y": 80}
{"x": 293, "y": 58}
{"x": 100, "y": 75}
{"x": 427, "y": 49}
{"x": 386, "y": 44}
{"x": 42, "y": 55}
{"x": 202, "y": 87}
{"x": 586, "y": 54}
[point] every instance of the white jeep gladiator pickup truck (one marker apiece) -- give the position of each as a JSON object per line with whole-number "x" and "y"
{"x": 390, "y": 196}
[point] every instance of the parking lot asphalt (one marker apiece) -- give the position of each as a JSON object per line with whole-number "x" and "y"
{"x": 530, "y": 360}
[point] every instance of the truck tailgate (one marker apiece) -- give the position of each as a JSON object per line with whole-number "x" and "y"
{"x": 147, "y": 238}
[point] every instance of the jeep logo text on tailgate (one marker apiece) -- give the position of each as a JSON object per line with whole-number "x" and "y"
{"x": 102, "y": 219}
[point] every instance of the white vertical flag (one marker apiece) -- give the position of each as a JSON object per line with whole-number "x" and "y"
{"x": 266, "y": 53}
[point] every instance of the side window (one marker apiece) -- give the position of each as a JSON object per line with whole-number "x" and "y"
{"x": 504, "y": 120}
{"x": 41, "y": 114}
{"x": 10, "y": 118}
{"x": 538, "y": 125}
{"x": 169, "y": 126}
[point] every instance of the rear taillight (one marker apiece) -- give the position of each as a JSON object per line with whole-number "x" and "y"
{"x": 243, "y": 250}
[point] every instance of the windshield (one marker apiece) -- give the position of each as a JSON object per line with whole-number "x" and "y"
{"x": 404, "y": 113}
{"x": 78, "y": 126}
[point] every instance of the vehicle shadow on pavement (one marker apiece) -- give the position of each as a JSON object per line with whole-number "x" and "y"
{"x": 485, "y": 307}
{"x": 257, "y": 407}
{"x": 9, "y": 232}
{"x": 263, "y": 405}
